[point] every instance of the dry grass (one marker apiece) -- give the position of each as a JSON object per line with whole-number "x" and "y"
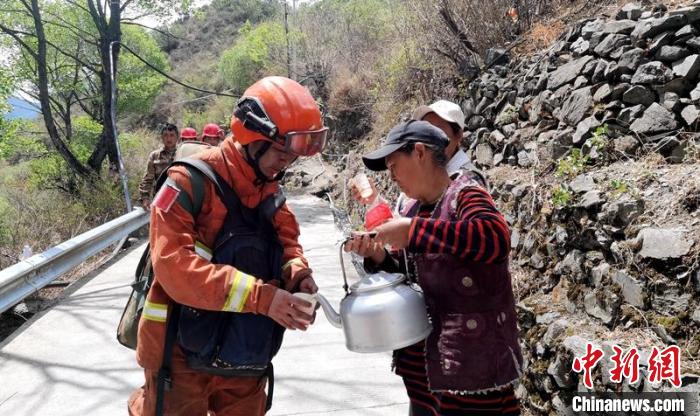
{"x": 540, "y": 36}
{"x": 44, "y": 217}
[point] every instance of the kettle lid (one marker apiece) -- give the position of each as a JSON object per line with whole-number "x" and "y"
{"x": 376, "y": 281}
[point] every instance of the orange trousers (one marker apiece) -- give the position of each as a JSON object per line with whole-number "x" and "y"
{"x": 197, "y": 394}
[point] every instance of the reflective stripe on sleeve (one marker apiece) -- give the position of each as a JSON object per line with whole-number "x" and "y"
{"x": 202, "y": 250}
{"x": 157, "y": 312}
{"x": 296, "y": 260}
{"x": 240, "y": 289}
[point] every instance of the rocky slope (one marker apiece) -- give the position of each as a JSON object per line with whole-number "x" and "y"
{"x": 591, "y": 149}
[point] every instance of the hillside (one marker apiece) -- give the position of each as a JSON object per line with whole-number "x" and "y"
{"x": 194, "y": 45}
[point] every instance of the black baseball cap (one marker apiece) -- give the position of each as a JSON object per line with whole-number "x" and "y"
{"x": 414, "y": 131}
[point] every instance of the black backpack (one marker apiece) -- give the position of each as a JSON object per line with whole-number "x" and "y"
{"x": 127, "y": 329}
{"x": 129, "y": 322}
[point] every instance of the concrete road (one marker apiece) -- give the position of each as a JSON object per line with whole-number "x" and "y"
{"x": 67, "y": 361}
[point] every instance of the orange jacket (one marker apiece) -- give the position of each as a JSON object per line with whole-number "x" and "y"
{"x": 180, "y": 254}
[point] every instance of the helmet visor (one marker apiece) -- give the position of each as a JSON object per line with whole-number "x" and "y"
{"x": 306, "y": 143}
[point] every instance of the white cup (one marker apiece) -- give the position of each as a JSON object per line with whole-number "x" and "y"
{"x": 309, "y": 298}
{"x": 361, "y": 182}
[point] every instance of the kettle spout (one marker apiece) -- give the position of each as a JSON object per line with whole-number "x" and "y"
{"x": 328, "y": 310}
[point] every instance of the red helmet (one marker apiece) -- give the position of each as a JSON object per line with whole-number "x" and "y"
{"x": 188, "y": 133}
{"x": 281, "y": 111}
{"x": 211, "y": 130}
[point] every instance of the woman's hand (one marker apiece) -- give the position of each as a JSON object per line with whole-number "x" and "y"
{"x": 364, "y": 245}
{"x": 394, "y": 233}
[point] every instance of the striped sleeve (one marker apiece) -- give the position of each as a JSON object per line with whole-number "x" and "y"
{"x": 480, "y": 234}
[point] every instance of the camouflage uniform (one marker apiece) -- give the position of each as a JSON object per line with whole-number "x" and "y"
{"x": 158, "y": 160}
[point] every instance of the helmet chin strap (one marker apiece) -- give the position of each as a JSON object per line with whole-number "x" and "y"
{"x": 254, "y": 161}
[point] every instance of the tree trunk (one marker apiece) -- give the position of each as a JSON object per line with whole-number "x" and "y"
{"x": 110, "y": 31}
{"x": 43, "y": 84}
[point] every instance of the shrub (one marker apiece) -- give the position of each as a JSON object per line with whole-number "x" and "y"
{"x": 561, "y": 196}
{"x": 259, "y": 51}
{"x": 350, "y": 109}
{"x": 571, "y": 165}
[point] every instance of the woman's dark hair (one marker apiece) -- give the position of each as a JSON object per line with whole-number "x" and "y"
{"x": 438, "y": 152}
{"x": 168, "y": 127}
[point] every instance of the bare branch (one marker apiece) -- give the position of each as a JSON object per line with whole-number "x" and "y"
{"x": 126, "y": 3}
{"x": 91, "y": 83}
{"x": 12, "y": 11}
{"x": 70, "y": 26}
{"x": 15, "y": 35}
{"x": 29, "y": 63}
{"x": 454, "y": 28}
{"x": 90, "y": 66}
{"x": 87, "y": 110}
{"x": 26, "y": 6}
{"x": 162, "y": 32}
{"x": 29, "y": 93}
{"x": 135, "y": 18}
{"x": 78, "y": 5}
{"x": 57, "y": 105}
{"x": 96, "y": 15}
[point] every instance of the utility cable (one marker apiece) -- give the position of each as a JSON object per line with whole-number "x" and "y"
{"x": 148, "y": 64}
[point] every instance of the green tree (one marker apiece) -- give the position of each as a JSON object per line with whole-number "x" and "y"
{"x": 70, "y": 51}
{"x": 138, "y": 84}
{"x": 259, "y": 51}
{"x": 7, "y": 127}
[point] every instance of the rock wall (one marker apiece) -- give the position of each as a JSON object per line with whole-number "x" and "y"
{"x": 590, "y": 148}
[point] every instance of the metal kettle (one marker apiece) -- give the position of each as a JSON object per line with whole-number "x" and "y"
{"x": 379, "y": 313}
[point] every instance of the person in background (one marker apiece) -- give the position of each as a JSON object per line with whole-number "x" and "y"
{"x": 188, "y": 134}
{"x": 457, "y": 247}
{"x": 158, "y": 161}
{"x": 222, "y": 134}
{"x": 448, "y": 117}
{"x": 190, "y": 144}
{"x": 212, "y": 134}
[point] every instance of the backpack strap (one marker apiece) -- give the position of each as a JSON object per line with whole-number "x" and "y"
{"x": 198, "y": 170}
{"x": 271, "y": 204}
{"x": 164, "y": 380}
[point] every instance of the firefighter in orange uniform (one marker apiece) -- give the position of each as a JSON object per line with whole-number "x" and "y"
{"x": 235, "y": 301}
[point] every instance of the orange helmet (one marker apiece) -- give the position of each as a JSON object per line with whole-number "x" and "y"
{"x": 211, "y": 130}
{"x": 282, "y": 111}
{"x": 188, "y": 133}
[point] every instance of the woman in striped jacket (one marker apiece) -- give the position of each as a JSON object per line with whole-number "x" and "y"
{"x": 457, "y": 246}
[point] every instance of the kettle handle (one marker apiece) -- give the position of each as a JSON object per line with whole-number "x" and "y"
{"x": 342, "y": 267}
{"x": 371, "y": 234}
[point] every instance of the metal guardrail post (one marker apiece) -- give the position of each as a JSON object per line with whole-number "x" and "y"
{"x": 26, "y": 277}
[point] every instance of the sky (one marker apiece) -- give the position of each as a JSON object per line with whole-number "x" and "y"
{"x": 21, "y": 109}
